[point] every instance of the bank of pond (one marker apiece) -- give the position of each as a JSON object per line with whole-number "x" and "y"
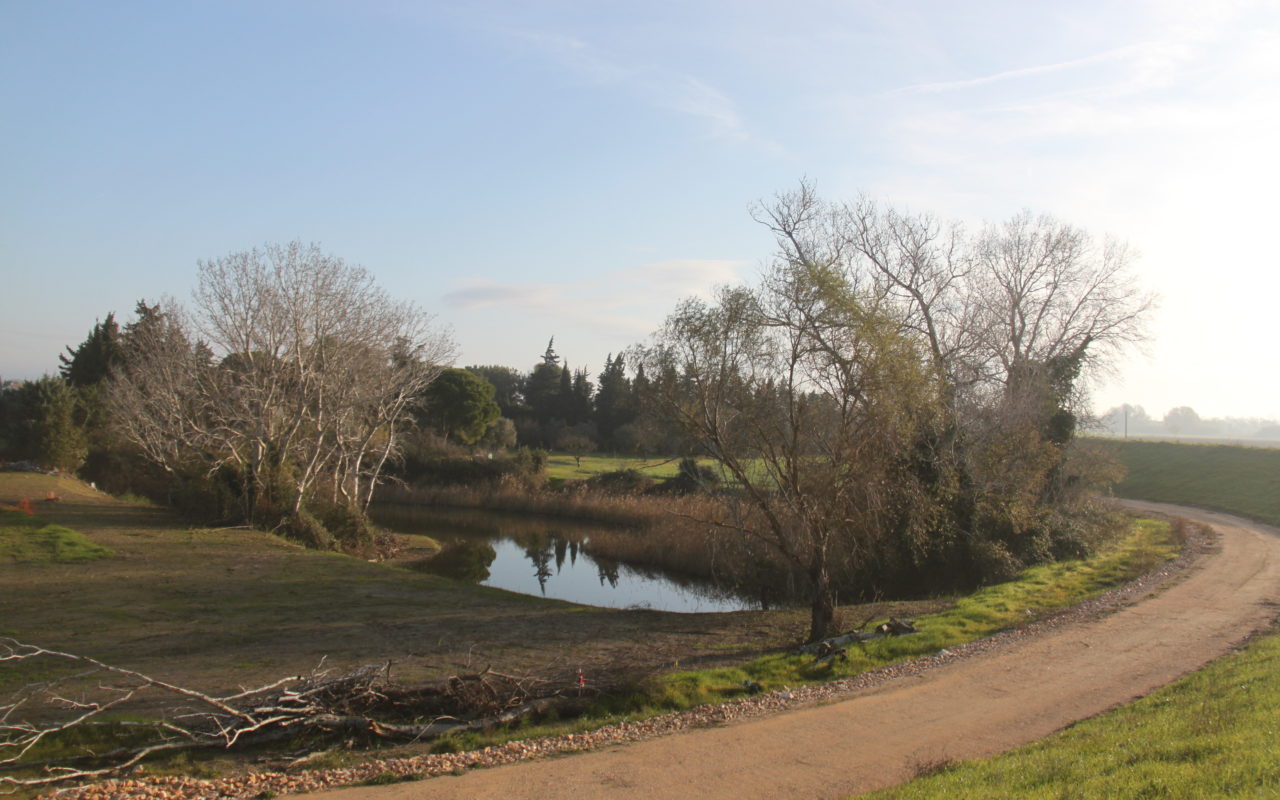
{"x": 548, "y": 557}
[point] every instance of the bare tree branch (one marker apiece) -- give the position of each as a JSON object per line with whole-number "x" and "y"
{"x": 363, "y": 701}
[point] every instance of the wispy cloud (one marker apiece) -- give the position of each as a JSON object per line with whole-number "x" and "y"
{"x": 576, "y": 55}
{"x": 1017, "y": 74}
{"x": 662, "y": 87}
{"x": 1176, "y": 92}
{"x": 659, "y": 283}
{"x": 691, "y": 96}
{"x": 488, "y": 294}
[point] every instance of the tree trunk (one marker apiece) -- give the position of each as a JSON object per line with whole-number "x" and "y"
{"x": 822, "y": 620}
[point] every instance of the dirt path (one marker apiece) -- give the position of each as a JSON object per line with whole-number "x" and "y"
{"x": 966, "y": 709}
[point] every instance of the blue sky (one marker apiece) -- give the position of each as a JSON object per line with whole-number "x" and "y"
{"x": 529, "y": 169}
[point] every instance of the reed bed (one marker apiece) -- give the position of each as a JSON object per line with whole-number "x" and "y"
{"x": 680, "y": 535}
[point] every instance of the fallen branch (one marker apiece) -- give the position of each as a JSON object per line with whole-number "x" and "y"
{"x": 831, "y": 648}
{"x": 360, "y": 703}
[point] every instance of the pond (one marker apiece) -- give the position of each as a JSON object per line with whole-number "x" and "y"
{"x": 544, "y": 557}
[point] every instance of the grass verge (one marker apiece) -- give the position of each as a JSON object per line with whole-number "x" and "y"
{"x": 1035, "y": 592}
{"x": 1210, "y": 734}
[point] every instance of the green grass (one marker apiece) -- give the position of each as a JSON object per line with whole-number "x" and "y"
{"x": 1209, "y": 735}
{"x": 29, "y": 539}
{"x": 1239, "y": 480}
{"x": 1036, "y": 591}
{"x": 562, "y": 467}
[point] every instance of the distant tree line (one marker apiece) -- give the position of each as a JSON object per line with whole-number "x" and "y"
{"x": 1183, "y": 421}
{"x": 555, "y": 407}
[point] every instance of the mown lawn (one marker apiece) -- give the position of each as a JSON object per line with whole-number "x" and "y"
{"x": 563, "y": 467}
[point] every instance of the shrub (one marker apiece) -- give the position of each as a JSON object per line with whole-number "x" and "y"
{"x": 524, "y": 464}
{"x": 623, "y": 481}
{"x": 692, "y": 478}
{"x": 304, "y": 528}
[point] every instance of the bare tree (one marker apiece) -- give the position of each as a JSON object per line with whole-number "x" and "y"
{"x": 292, "y": 362}
{"x": 1048, "y": 291}
{"x": 1030, "y": 289}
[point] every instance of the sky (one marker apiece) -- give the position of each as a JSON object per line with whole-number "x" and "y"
{"x": 573, "y": 168}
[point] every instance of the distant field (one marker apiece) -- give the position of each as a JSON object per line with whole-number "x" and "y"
{"x": 1228, "y": 440}
{"x": 1240, "y": 480}
{"x": 561, "y": 466}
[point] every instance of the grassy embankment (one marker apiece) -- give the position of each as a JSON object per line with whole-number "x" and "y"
{"x": 1037, "y": 591}
{"x": 1211, "y": 734}
{"x": 1238, "y": 480}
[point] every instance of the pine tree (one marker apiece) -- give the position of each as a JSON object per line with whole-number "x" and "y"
{"x": 564, "y": 398}
{"x": 613, "y": 405}
{"x": 89, "y": 363}
{"x": 581, "y": 410}
{"x": 542, "y": 390}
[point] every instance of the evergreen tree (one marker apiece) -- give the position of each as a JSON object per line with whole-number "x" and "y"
{"x": 613, "y": 403}
{"x": 39, "y": 421}
{"x": 549, "y": 355}
{"x": 89, "y": 363}
{"x": 580, "y": 408}
{"x": 542, "y": 390}
{"x": 508, "y": 386}
{"x": 564, "y": 397}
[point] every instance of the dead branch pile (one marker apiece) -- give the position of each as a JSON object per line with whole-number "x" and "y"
{"x": 91, "y": 695}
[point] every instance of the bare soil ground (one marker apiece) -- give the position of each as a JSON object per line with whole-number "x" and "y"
{"x": 963, "y": 708}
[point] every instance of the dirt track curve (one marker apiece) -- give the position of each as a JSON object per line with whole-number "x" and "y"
{"x": 969, "y": 708}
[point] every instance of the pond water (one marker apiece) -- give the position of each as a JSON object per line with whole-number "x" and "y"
{"x": 543, "y": 557}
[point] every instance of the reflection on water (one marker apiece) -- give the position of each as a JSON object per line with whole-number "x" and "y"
{"x": 545, "y": 557}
